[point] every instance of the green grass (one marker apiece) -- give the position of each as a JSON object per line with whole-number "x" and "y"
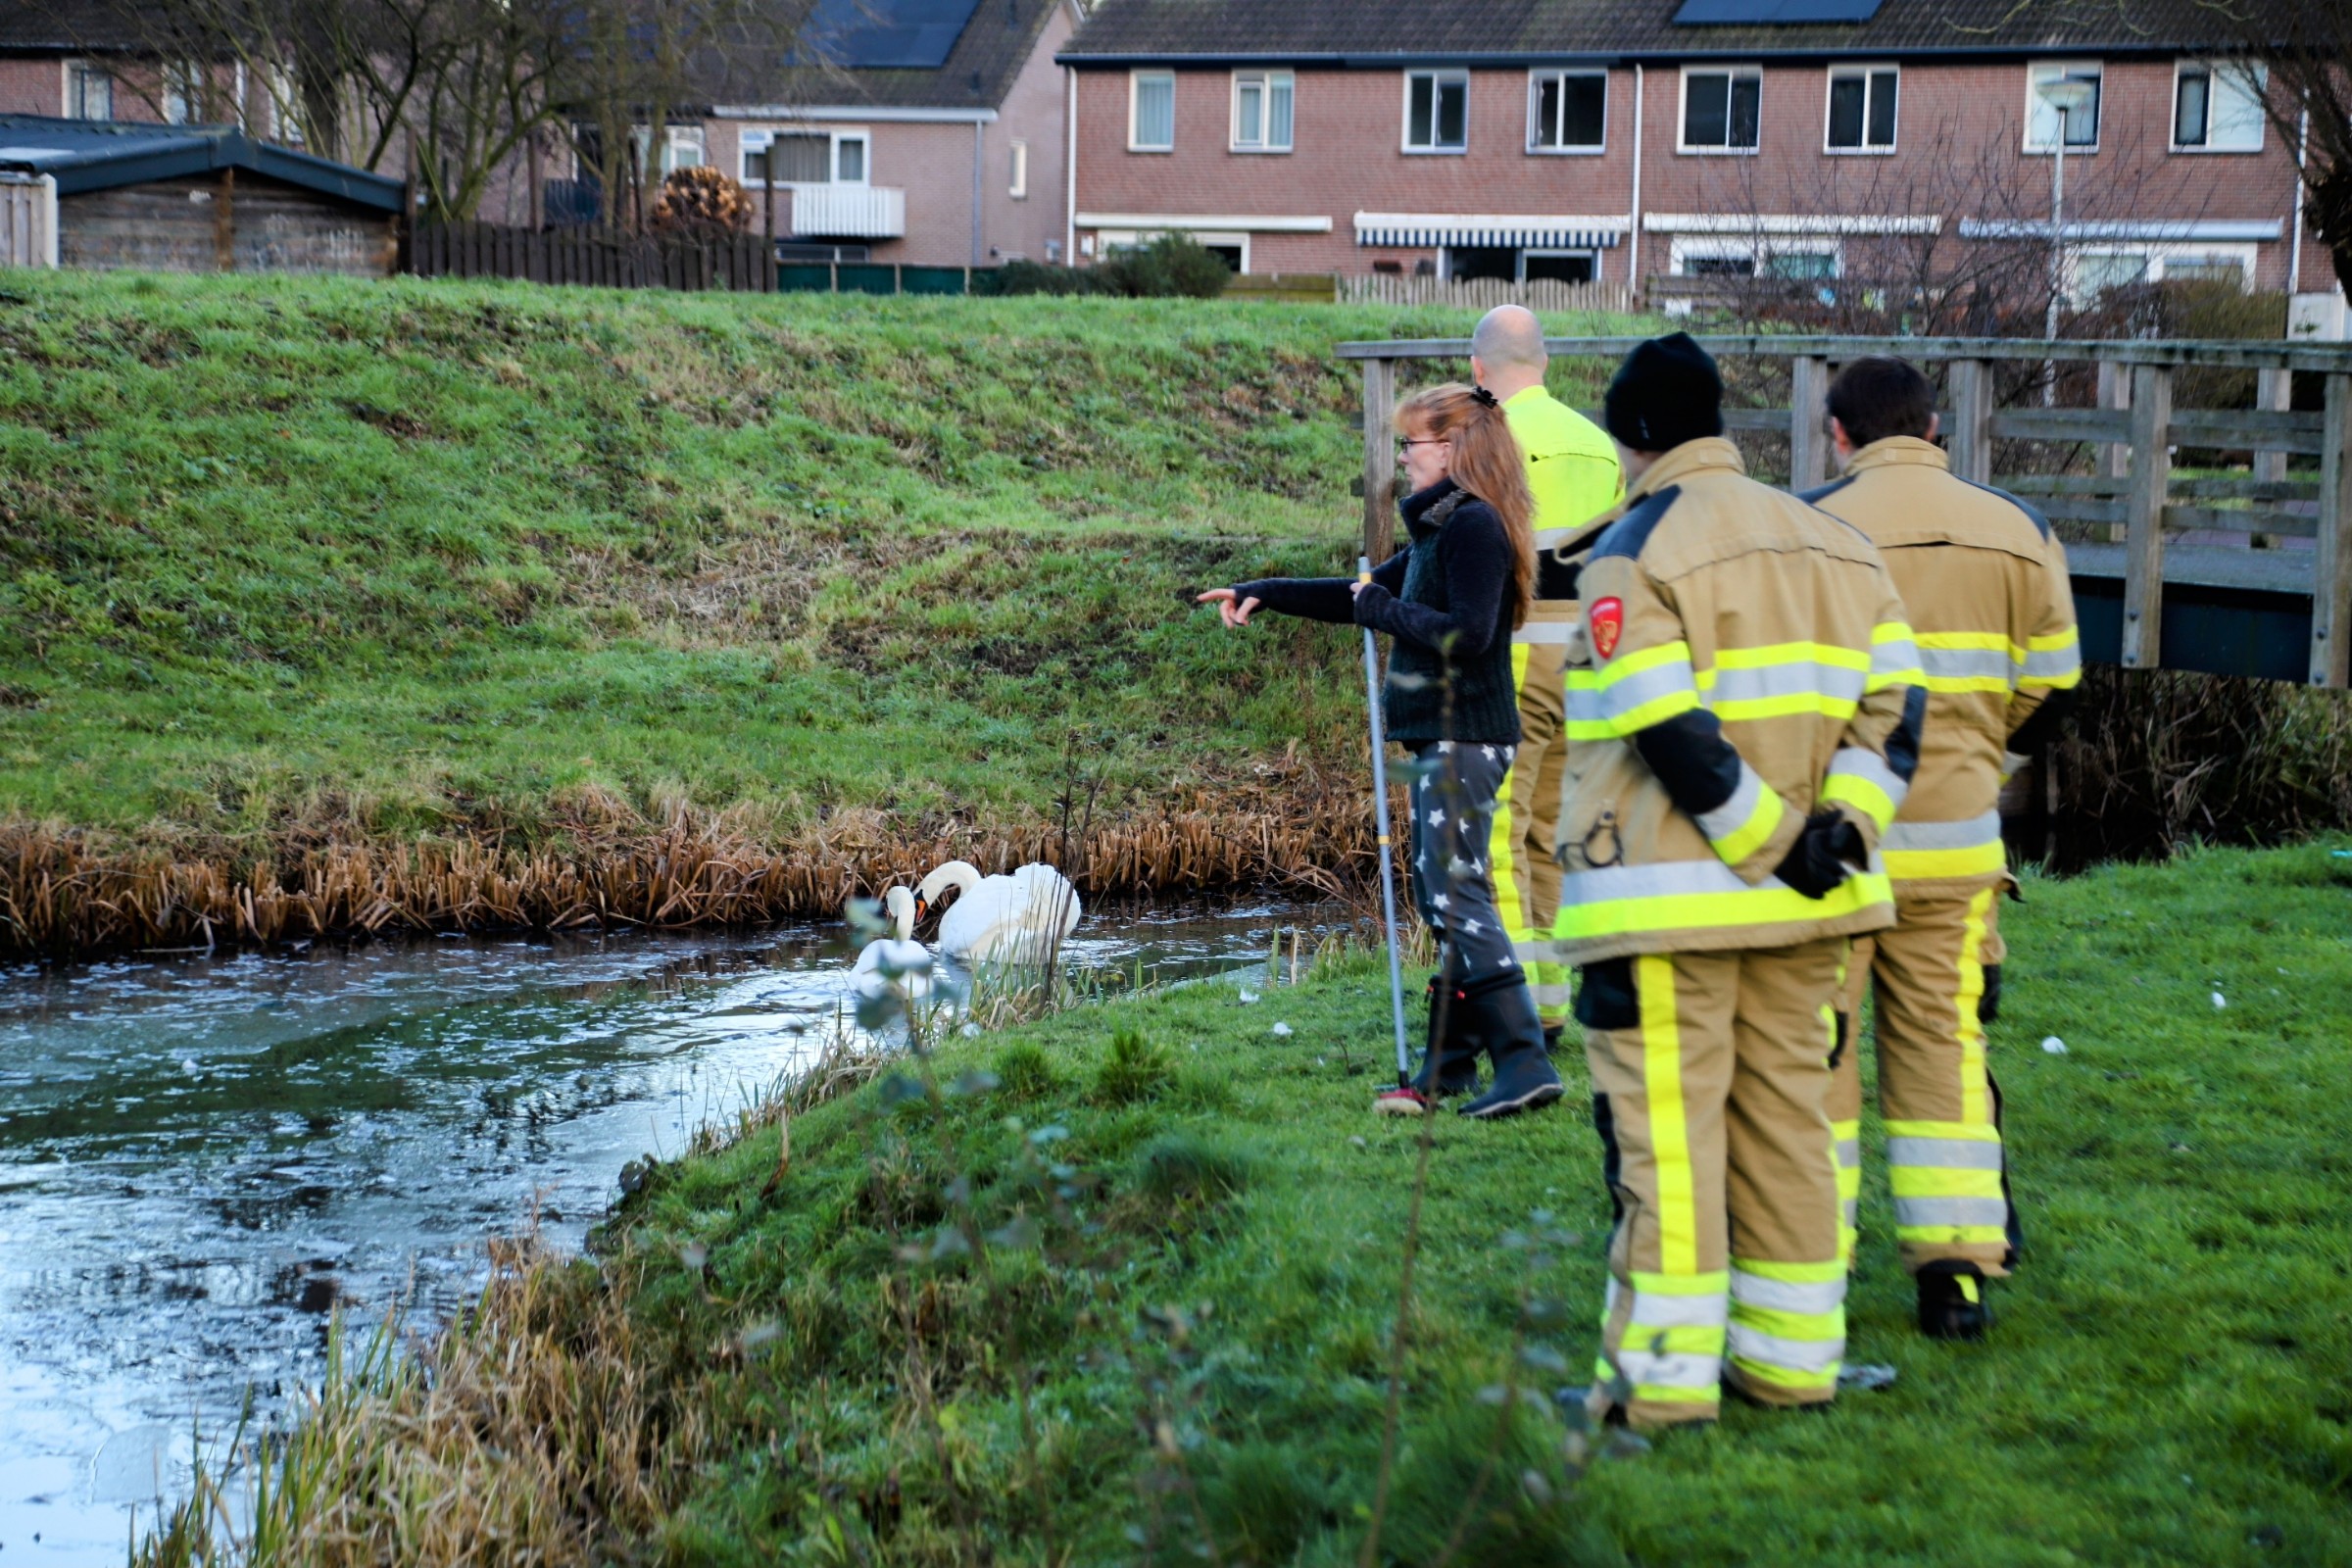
{"x": 405, "y": 554}
{"x": 2166, "y": 1382}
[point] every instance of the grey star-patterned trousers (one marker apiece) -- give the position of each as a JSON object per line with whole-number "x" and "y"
{"x": 1454, "y": 784}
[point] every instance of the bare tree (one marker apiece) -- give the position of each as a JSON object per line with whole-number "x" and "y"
{"x": 2306, "y": 48}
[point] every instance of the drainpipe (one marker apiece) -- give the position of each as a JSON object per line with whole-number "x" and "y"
{"x": 1632, "y": 250}
{"x": 1069, "y": 178}
{"x": 2294, "y": 252}
{"x": 978, "y": 147}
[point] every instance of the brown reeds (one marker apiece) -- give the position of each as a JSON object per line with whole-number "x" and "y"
{"x": 599, "y": 864}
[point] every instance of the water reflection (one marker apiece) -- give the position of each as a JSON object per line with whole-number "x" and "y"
{"x": 201, "y": 1157}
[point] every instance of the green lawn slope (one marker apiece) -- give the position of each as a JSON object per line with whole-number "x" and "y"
{"x": 1122, "y": 1287}
{"x": 400, "y": 556}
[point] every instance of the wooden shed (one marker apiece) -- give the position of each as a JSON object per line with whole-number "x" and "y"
{"x": 105, "y": 194}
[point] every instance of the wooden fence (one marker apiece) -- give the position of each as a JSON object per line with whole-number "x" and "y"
{"x": 28, "y": 221}
{"x": 2257, "y": 549}
{"x": 1485, "y": 293}
{"x": 742, "y": 262}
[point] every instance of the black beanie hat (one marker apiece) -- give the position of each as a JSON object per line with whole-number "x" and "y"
{"x": 1666, "y": 393}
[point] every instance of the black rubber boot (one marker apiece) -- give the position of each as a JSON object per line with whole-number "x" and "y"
{"x": 1504, "y": 1024}
{"x": 1449, "y": 1063}
{"x": 1951, "y": 1302}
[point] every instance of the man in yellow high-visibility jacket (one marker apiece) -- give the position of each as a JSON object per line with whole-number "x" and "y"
{"x": 1572, "y": 468}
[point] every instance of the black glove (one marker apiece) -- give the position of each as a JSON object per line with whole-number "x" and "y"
{"x": 1827, "y": 851}
{"x": 1370, "y": 601}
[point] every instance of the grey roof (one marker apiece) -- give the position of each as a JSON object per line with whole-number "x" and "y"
{"x": 69, "y": 27}
{"x": 977, "y": 73}
{"x": 101, "y": 154}
{"x": 1386, "y": 32}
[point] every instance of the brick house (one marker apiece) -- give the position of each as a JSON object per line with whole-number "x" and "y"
{"x": 92, "y": 60}
{"x": 1589, "y": 139}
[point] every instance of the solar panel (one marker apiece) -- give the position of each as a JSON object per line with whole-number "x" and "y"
{"x": 1772, "y": 13}
{"x": 887, "y": 34}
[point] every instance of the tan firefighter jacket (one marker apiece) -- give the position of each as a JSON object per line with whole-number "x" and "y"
{"x": 1993, "y": 616}
{"x": 1742, "y": 659}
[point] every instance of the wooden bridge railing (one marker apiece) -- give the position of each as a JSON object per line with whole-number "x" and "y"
{"x": 2128, "y": 503}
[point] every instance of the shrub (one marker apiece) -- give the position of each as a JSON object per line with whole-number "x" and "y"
{"x": 1026, "y": 1072}
{"x": 1136, "y": 1069}
{"x": 1171, "y": 266}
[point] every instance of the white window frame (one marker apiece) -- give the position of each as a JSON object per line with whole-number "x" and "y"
{"x": 1535, "y": 107}
{"x": 1265, "y": 81}
{"x": 1017, "y": 184}
{"x": 1755, "y": 250}
{"x": 1134, "y": 97}
{"x": 182, "y": 102}
{"x": 2157, "y": 253}
{"x": 70, "y": 102}
{"x": 1438, "y": 75}
{"x": 2214, "y": 70}
{"x": 1586, "y": 251}
{"x": 1681, "y": 111}
{"x": 762, "y": 139}
{"x": 2034, "y": 77}
{"x": 1828, "y": 94}
{"x": 1106, "y": 240}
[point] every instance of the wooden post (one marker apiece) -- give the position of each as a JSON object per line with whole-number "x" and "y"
{"x": 1380, "y": 459}
{"x": 1971, "y": 434}
{"x": 2143, "y": 516}
{"x": 1808, "y": 423}
{"x": 2332, "y": 561}
{"x": 2273, "y": 390}
{"x": 224, "y": 222}
{"x": 2114, "y": 392}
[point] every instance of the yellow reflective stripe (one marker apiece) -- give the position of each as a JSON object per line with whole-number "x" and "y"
{"x": 1793, "y": 1273}
{"x": 1953, "y": 1235}
{"x": 1925, "y": 864}
{"x": 1990, "y": 641}
{"x": 1669, "y": 1135}
{"x": 1830, "y": 1325}
{"x": 2053, "y": 641}
{"x": 1662, "y": 1394}
{"x": 1626, "y": 666}
{"x": 2072, "y": 678}
{"x": 1976, "y": 1093}
{"x": 1943, "y": 1181}
{"x": 1751, "y": 835}
{"x": 1503, "y": 839}
{"x": 1692, "y": 1284}
{"x": 1786, "y": 1377}
{"x": 1752, "y": 707}
{"x": 1963, "y": 683}
{"x": 1766, "y": 654}
{"x": 1890, "y": 631}
{"x": 1975, "y": 1132}
{"x": 1860, "y": 793}
{"x": 1750, "y": 906}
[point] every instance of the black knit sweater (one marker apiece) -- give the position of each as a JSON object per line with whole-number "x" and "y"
{"x": 1443, "y": 598}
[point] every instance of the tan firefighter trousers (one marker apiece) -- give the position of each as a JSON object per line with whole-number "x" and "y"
{"x": 1526, "y": 813}
{"x": 1709, "y": 1076}
{"x": 1932, "y": 973}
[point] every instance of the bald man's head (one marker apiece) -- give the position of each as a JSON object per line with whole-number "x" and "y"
{"x": 1508, "y": 349}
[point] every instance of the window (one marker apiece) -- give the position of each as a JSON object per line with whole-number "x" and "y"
{"x": 681, "y": 147}
{"x": 2041, "y": 121}
{"x": 1261, "y": 110}
{"x": 1436, "y": 110}
{"x": 1151, "y": 112}
{"x": 1566, "y": 267}
{"x": 1720, "y": 109}
{"x": 89, "y": 91}
{"x": 1018, "y": 188}
{"x": 1862, "y": 110}
{"x": 804, "y": 157}
{"x": 1566, "y": 111}
{"x": 2096, "y": 270}
{"x": 183, "y": 95}
{"x": 2216, "y": 109}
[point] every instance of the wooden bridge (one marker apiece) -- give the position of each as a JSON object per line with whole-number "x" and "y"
{"x": 2245, "y": 573}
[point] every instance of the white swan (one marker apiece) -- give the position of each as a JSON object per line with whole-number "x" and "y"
{"x": 1018, "y": 918}
{"x": 894, "y": 962}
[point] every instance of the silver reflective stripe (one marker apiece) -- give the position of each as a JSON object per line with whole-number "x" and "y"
{"x": 1733, "y": 815}
{"x": 1797, "y": 1355}
{"x": 2011, "y": 761}
{"x": 1943, "y": 1154}
{"x": 1666, "y": 880}
{"x": 1854, "y": 1210}
{"x": 1657, "y": 1310}
{"x": 1678, "y": 1370}
{"x": 2053, "y": 664}
{"x": 1536, "y": 949}
{"x": 1552, "y": 996}
{"x": 1611, "y": 702}
{"x": 1810, "y": 1297}
{"x": 1963, "y": 663}
{"x": 1799, "y": 679}
{"x": 1936, "y": 1213}
{"x": 1974, "y": 833}
{"x": 1552, "y": 633}
{"x": 1889, "y": 656}
{"x": 1855, "y": 763}
{"x": 1849, "y": 1150}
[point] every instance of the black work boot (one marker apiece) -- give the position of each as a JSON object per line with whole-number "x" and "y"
{"x": 1951, "y": 1302}
{"x": 1503, "y": 1020}
{"x": 1450, "y": 1063}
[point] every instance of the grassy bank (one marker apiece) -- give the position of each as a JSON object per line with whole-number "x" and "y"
{"x": 784, "y": 588}
{"x": 1124, "y": 1287}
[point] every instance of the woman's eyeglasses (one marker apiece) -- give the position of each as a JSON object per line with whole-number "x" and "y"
{"x": 1404, "y": 441}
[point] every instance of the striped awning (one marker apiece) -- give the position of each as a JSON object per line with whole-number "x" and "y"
{"x": 1526, "y": 231}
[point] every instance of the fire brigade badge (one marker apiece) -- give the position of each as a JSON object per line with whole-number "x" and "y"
{"x": 1606, "y": 619}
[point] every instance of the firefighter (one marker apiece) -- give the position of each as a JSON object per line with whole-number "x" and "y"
{"x": 1993, "y": 616}
{"x": 1743, "y": 715}
{"x": 1572, "y": 471}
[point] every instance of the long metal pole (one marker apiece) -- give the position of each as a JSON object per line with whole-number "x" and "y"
{"x": 2057, "y": 229}
{"x": 1380, "y": 817}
